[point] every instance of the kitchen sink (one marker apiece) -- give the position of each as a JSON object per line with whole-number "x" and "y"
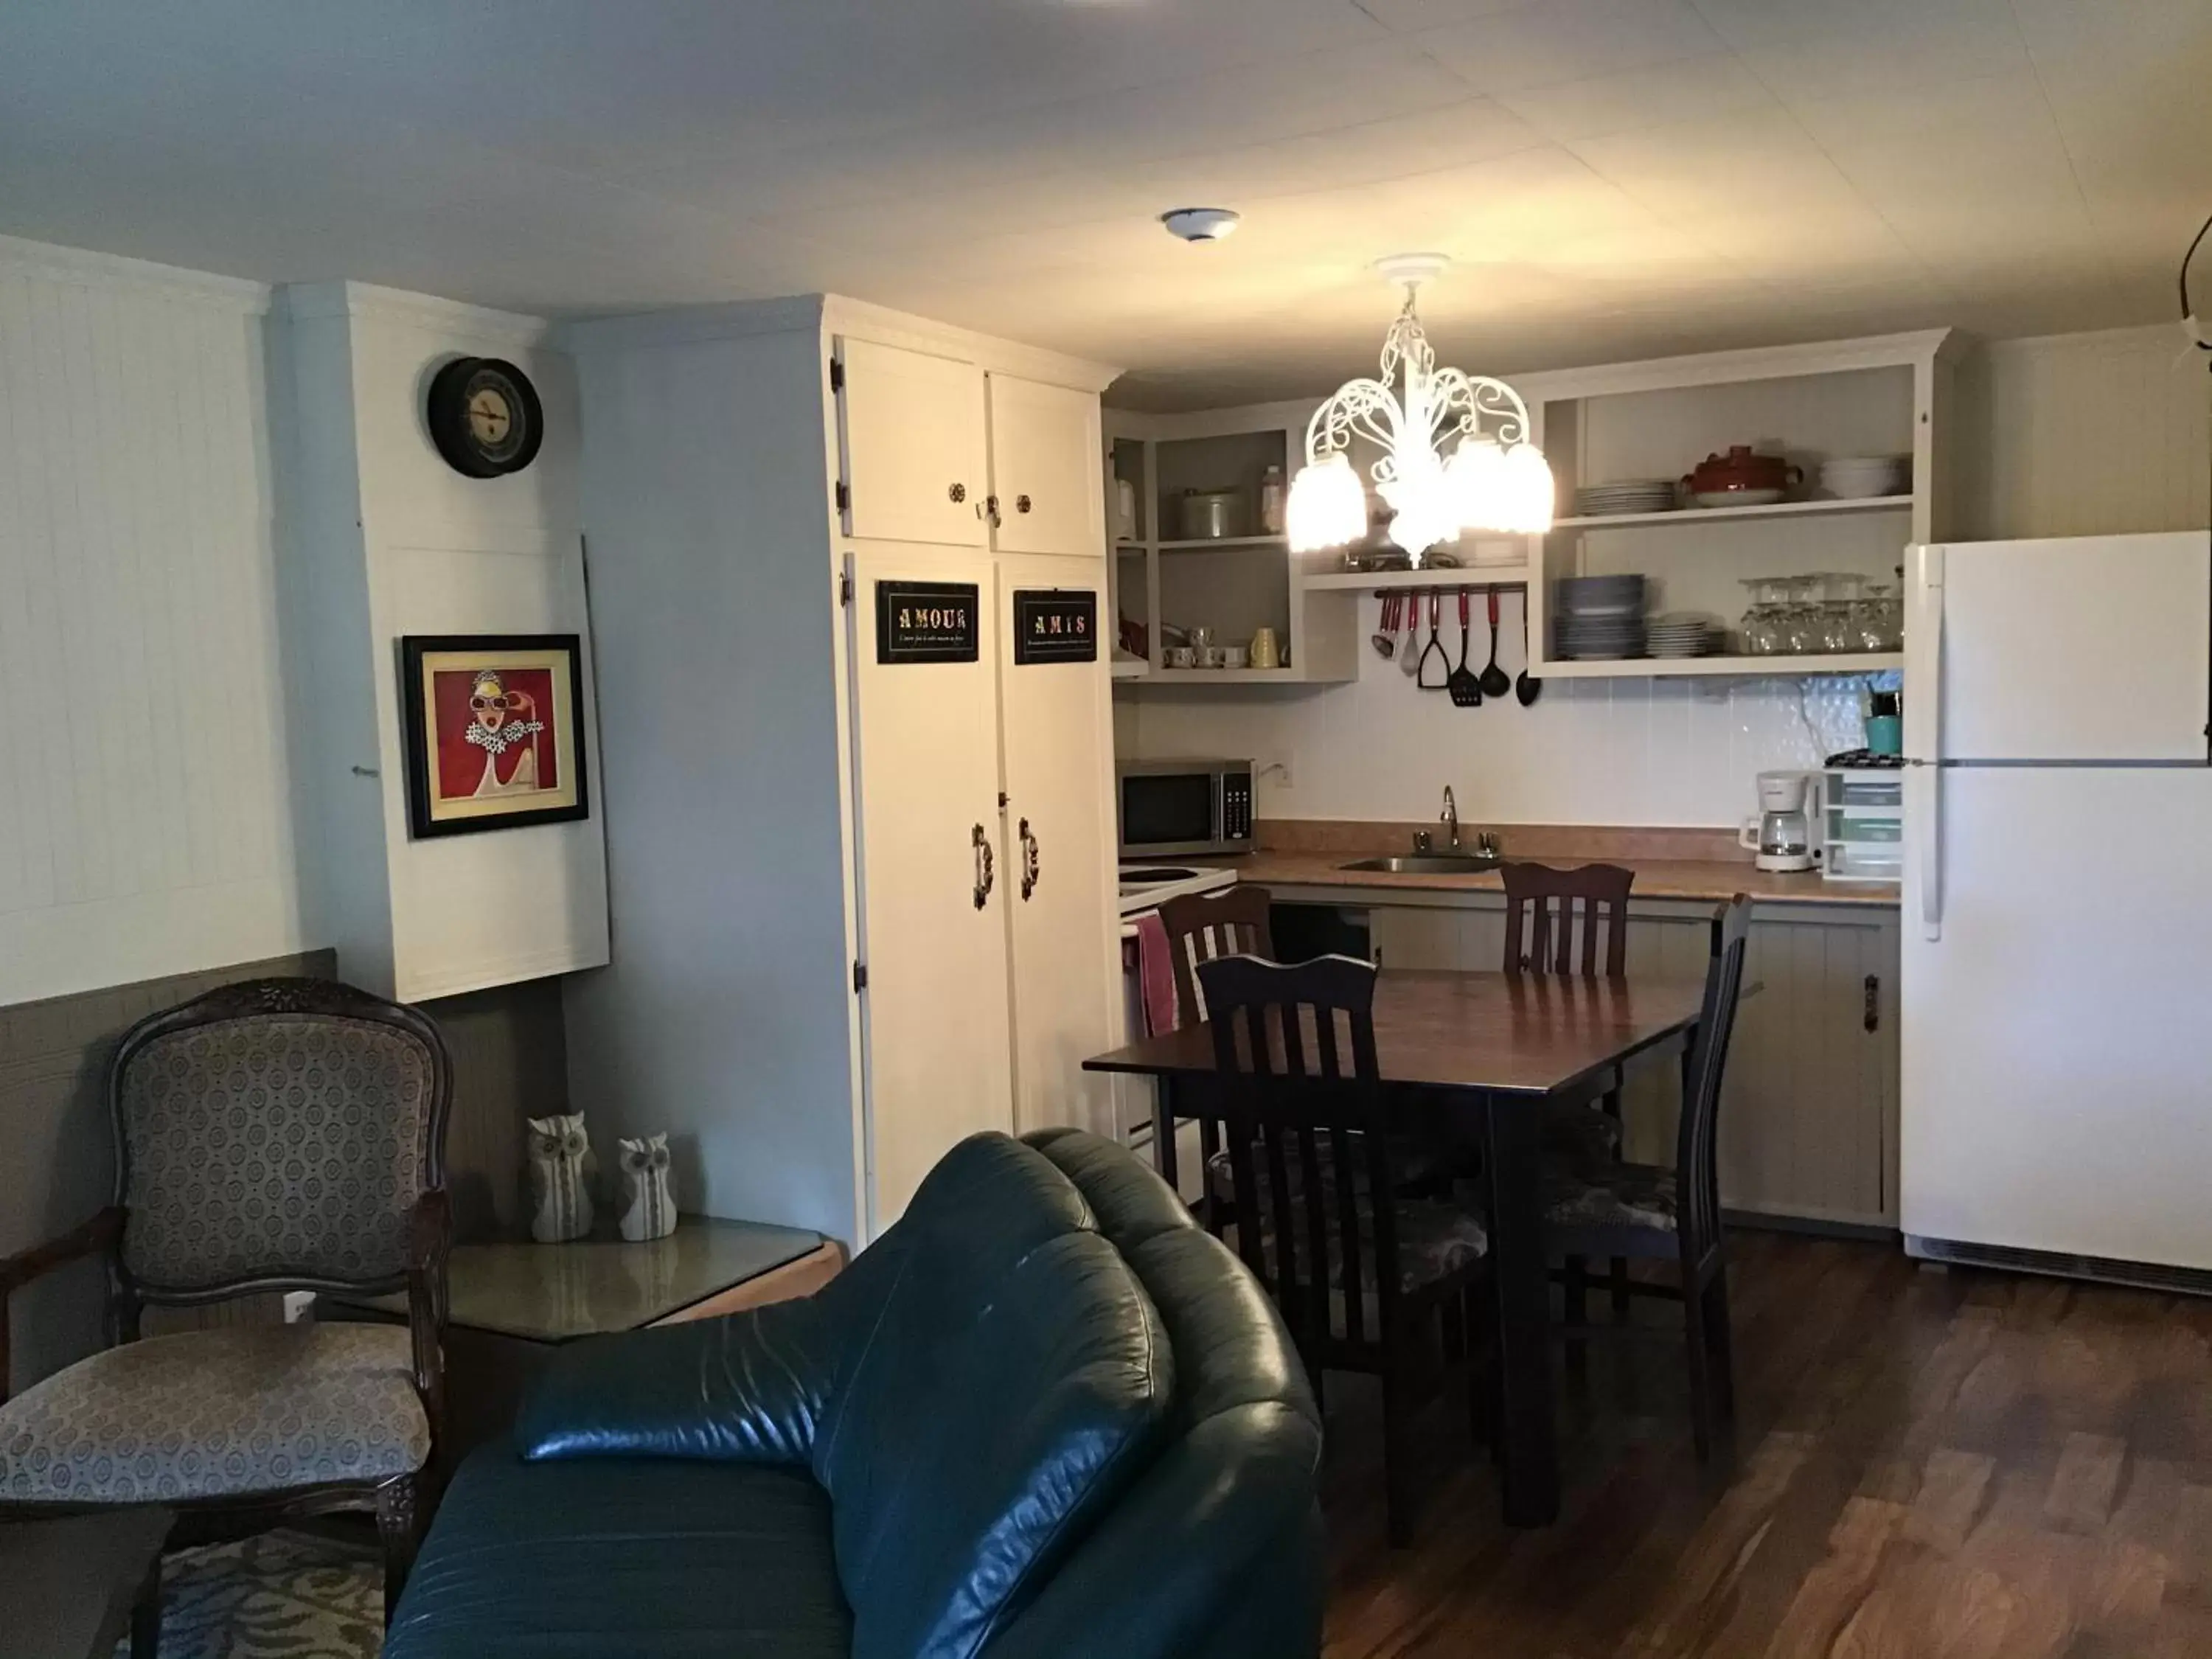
{"x": 1428, "y": 864}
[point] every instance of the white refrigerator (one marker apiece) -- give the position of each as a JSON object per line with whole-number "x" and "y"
{"x": 2056, "y": 990}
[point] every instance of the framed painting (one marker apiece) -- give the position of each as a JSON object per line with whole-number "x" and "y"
{"x": 495, "y": 730}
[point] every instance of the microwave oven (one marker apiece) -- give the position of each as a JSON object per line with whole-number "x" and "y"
{"x": 1174, "y": 808}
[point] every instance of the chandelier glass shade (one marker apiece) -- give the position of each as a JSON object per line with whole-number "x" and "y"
{"x": 1456, "y": 451}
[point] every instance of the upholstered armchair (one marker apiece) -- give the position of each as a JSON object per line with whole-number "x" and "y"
{"x": 278, "y": 1135}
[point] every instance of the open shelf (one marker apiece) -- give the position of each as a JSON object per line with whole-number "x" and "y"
{"x": 1690, "y": 516}
{"x": 1207, "y": 542}
{"x": 1862, "y": 662}
{"x": 1126, "y": 667}
{"x": 1465, "y": 575}
{"x": 1226, "y": 676}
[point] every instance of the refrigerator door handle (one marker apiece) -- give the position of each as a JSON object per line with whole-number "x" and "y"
{"x": 1927, "y": 622}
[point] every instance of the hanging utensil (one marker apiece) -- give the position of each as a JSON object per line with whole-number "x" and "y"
{"x": 1385, "y": 637}
{"x": 1409, "y": 657}
{"x": 1527, "y": 688}
{"x": 1435, "y": 645}
{"x": 1466, "y": 690}
{"x": 1494, "y": 682}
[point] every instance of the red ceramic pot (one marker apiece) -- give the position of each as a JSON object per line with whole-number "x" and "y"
{"x": 1742, "y": 470}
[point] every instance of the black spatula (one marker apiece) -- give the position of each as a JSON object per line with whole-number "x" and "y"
{"x": 1465, "y": 687}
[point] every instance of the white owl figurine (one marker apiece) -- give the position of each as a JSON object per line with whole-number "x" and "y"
{"x": 560, "y": 1187}
{"x": 647, "y": 1210}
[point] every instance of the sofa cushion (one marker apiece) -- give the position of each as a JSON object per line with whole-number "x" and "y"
{"x": 1017, "y": 1378}
{"x": 605, "y": 1557}
{"x": 217, "y": 1414}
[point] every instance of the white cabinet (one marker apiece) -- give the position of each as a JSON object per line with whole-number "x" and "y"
{"x": 825, "y": 968}
{"x": 1044, "y": 467}
{"x": 933, "y": 890}
{"x": 1056, "y": 736}
{"x": 911, "y": 437}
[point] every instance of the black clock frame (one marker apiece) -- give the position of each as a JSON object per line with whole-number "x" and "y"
{"x": 446, "y": 411}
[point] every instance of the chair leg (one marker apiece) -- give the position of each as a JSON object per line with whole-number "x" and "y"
{"x": 146, "y": 1616}
{"x": 1701, "y": 1384}
{"x": 399, "y": 1530}
{"x": 1397, "y": 1461}
{"x": 1721, "y": 1341}
{"x": 1574, "y": 1307}
{"x": 1621, "y": 1296}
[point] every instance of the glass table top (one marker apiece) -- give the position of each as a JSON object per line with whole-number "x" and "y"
{"x": 556, "y": 1293}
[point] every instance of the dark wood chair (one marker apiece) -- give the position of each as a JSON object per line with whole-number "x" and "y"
{"x": 1304, "y": 1122}
{"x": 1201, "y": 926}
{"x": 276, "y": 1135}
{"x": 1674, "y": 1214}
{"x": 1574, "y": 921}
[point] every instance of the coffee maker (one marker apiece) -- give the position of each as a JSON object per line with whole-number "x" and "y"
{"x": 1783, "y": 834}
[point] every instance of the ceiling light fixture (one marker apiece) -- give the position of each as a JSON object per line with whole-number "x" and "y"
{"x": 1200, "y": 224}
{"x": 1440, "y": 472}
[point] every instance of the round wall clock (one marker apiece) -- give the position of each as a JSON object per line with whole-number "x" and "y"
{"x": 484, "y": 416}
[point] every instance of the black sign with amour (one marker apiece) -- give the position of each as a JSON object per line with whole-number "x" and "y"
{"x": 1055, "y": 625}
{"x": 926, "y": 622}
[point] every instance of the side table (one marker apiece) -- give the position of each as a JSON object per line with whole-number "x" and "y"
{"x": 511, "y": 1306}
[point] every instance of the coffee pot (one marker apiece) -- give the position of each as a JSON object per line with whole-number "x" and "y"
{"x": 1782, "y": 834}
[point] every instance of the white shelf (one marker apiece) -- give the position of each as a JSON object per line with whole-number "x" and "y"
{"x": 1226, "y": 676}
{"x": 1129, "y": 668}
{"x": 1868, "y": 662}
{"x": 1207, "y": 543}
{"x": 1690, "y": 516}
{"x": 1468, "y": 575}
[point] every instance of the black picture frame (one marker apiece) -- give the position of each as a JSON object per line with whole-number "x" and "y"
{"x": 416, "y": 651}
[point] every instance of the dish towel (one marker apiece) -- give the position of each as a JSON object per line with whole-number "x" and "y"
{"x": 1156, "y": 974}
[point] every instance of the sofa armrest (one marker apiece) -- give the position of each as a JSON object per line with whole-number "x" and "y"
{"x": 746, "y": 1389}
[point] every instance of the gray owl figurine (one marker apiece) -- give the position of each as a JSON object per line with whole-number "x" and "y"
{"x": 648, "y": 1210}
{"x": 560, "y": 1190}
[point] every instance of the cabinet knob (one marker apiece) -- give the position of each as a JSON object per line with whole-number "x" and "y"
{"x": 1021, "y": 503}
{"x": 958, "y": 492}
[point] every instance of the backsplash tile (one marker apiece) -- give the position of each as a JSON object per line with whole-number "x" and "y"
{"x": 1590, "y": 751}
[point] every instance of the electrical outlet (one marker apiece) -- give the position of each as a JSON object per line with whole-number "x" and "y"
{"x": 1276, "y": 771}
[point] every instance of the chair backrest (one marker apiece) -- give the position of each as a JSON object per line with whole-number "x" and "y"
{"x": 1299, "y": 1099}
{"x": 1201, "y": 926}
{"x": 1696, "y": 1171}
{"x": 1546, "y": 934}
{"x": 276, "y": 1134}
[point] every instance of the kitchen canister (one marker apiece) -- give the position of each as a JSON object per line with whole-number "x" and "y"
{"x": 1211, "y": 514}
{"x": 1264, "y": 652}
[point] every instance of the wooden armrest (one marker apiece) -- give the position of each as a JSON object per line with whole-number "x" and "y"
{"x": 429, "y": 1231}
{"x": 100, "y": 1233}
{"x": 429, "y": 1237}
{"x": 95, "y": 1237}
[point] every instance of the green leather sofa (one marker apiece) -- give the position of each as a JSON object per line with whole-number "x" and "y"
{"x": 1044, "y": 1416}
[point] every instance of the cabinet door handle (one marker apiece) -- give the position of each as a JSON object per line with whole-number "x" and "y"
{"x": 986, "y": 873}
{"x": 1021, "y": 503}
{"x": 1028, "y": 860}
{"x": 957, "y": 493}
{"x": 1871, "y": 1016}
{"x": 991, "y": 510}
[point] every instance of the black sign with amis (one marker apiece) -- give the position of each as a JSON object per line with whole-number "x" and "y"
{"x": 926, "y": 621}
{"x": 1055, "y": 625}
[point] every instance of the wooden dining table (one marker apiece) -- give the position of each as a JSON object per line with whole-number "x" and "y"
{"x": 1489, "y": 1049}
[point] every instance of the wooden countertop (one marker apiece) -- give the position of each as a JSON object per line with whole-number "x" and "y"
{"x": 1705, "y": 879}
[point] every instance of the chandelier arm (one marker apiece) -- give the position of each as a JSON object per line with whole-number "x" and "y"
{"x": 1362, "y": 407}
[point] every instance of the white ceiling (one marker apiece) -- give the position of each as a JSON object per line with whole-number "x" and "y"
{"x": 1618, "y": 178}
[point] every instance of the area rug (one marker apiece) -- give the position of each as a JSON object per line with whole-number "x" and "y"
{"x": 281, "y": 1595}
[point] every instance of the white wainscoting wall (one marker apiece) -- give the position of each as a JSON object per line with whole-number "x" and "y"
{"x": 145, "y": 823}
{"x": 2074, "y": 434}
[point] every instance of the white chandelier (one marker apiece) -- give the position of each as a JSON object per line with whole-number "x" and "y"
{"x": 1486, "y": 480}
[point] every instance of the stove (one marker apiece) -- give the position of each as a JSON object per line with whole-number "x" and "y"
{"x": 1146, "y": 886}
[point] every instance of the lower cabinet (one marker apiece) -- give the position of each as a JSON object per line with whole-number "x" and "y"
{"x": 1809, "y": 1116}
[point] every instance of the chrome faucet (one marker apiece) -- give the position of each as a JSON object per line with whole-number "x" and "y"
{"x": 1450, "y": 817}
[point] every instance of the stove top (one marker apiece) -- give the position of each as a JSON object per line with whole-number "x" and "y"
{"x": 1145, "y": 886}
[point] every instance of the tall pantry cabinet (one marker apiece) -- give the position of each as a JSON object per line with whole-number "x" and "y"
{"x": 847, "y": 573}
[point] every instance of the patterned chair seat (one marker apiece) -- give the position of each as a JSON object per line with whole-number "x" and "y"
{"x": 1628, "y": 1195}
{"x": 217, "y": 1414}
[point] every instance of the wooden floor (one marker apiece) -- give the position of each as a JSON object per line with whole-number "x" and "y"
{"x": 1930, "y": 1464}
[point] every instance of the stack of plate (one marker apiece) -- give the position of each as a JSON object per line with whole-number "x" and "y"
{"x": 1683, "y": 633}
{"x": 1859, "y": 477}
{"x": 1601, "y": 618}
{"x": 1636, "y": 495}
